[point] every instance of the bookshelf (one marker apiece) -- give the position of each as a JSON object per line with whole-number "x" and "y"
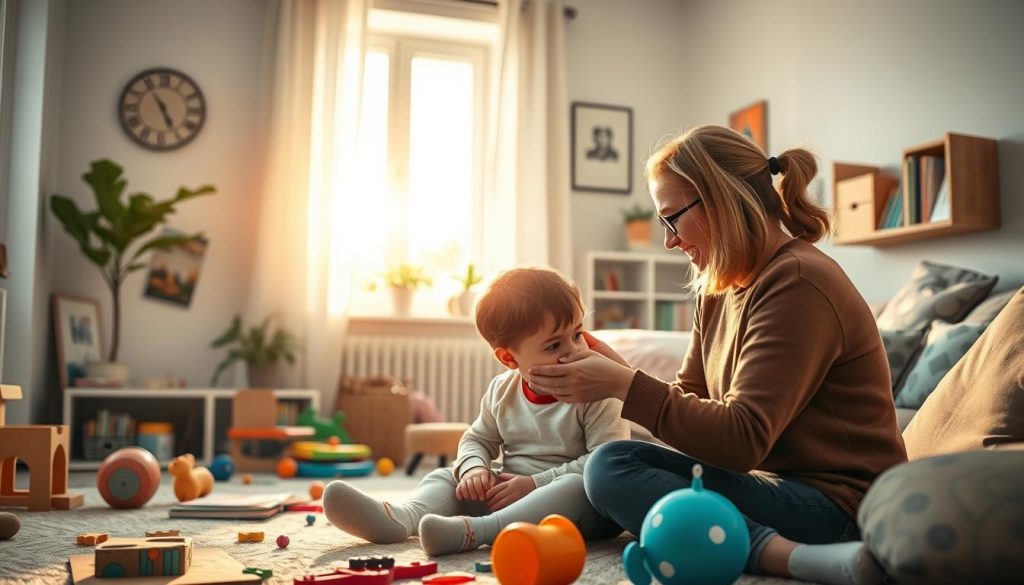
{"x": 971, "y": 185}
{"x": 638, "y": 290}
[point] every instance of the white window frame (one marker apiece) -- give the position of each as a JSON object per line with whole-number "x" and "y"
{"x": 8, "y": 18}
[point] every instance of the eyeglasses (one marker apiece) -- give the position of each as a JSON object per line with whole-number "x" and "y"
{"x": 670, "y": 221}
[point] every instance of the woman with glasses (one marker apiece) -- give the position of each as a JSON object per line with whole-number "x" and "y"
{"x": 784, "y": 395}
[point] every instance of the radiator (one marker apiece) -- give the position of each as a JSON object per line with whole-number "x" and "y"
{"x": 454, "y": 372}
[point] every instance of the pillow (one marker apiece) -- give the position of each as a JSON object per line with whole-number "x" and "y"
{"x": 935, "y": 291}
{"x": 901, "y": 347}
{"x": 946, "y": 344}
{"x": 950, "y": 519}
{"x": 980, "y": 402}
{"x": 658, "y": 353}
{"x": 987, "y": 310}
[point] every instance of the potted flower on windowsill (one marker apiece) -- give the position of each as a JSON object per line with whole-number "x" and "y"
{"x": 403, "y": 280}
{"x": 262, "y": 351}
{"x": 638, "y": 226}
{"x": 461, "y": 304}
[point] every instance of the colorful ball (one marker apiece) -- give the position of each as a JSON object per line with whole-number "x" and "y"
{"x": 287, "y": 467}
{"x": 310, "y": 519}
{"x": 282, "y": 541}
{"x": 385, "y": 466}
{"x": 222, "y": 467}
{"x": 247, "y": 479}
{"x": 333, "y": 441}
{"x": 316, "y": 490}
{"x": 128, "y": 477}
{"x": 690, "y": 536}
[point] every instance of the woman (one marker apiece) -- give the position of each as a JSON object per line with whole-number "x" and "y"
{"x": 784, "y": 395}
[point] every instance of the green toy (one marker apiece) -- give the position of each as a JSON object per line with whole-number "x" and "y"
{"x": 326, "y": 428}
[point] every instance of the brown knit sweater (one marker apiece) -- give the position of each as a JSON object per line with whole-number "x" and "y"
{"x": 787, "y": 376}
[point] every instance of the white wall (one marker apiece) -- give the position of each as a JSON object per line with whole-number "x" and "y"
{"x": 222, "y": 46}
{"x": 859, "y": 81}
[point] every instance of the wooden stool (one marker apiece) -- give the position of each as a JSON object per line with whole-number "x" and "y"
{"x": 441, "y": 439}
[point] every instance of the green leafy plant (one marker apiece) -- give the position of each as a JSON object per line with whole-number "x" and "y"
{"x": 407, "y": 276}
{"x": 256, "y": 346}
{"x": 637, "y": 213}
{"x": 106, "y": 235}
{"x": 470, "y": 279}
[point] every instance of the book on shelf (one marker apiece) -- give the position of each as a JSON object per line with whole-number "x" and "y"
{"x": 611, "y": 280}
{"x": 940, "y": 212}
{"x": 233, "y": 506}
{"x": 912, "y": 173}
{"x": 933, "y": 168}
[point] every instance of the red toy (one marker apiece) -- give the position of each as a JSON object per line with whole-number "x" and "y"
{"x": 128, "y": 477}
{"x": 282, "y": 541}
{"x": 449, "y": 579}
{"x": 370, "y": 571}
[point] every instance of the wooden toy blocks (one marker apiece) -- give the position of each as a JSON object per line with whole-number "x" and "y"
{"x": 143, "y": 557}
{"x": 91, "y": 538}
{"x": 250, "y": 536}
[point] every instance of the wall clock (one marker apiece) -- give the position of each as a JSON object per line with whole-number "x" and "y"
{"x": 162, "y": 109}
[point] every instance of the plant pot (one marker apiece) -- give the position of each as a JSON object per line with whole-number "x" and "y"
{"x": 266, "y": 376}
{"x": 401, "y": 301}
{"x": 638, "y": 234}
{"x": 113, "y": 372}
{"x": 461, "y": 304}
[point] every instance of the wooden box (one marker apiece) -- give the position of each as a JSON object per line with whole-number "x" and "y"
{"x": 144, "y": 557}
{"x": 860, "y": 202}
{"x": 377, "y": 410}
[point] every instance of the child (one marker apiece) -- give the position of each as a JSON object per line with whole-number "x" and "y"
{"x": 530, "y": 316}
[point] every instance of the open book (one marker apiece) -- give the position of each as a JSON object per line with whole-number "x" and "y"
{"x": 233, "y": 506}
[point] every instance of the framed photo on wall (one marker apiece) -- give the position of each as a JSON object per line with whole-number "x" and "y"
{"x": 174, "y": 273}
{"x": 602, "y": 148}
{"x": 752, "y": 122}
{"x": 76, "y": 323}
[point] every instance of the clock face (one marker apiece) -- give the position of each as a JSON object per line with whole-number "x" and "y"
{"x": 162, "y": 109}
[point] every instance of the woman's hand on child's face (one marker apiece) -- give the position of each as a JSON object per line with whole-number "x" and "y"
{"x": 585, "y": 376}
{"x": 474, "y": 484}
{"x": 510, "y": 488}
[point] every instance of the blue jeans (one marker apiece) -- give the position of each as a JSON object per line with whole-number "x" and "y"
{"x": 624, "y": 479}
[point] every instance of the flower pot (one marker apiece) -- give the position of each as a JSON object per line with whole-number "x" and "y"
{"x": 266, "y": 376}
{"x": 113, "y": 372}
{"x": 401, "y": 301}
{"x": 638, "y": 234}
{"x": 461, "y": 304}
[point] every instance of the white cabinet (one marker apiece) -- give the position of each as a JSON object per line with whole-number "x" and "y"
{"x": 638, "y": 290}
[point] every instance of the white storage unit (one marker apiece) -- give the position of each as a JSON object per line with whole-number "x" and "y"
{"x": 641, "y": 290}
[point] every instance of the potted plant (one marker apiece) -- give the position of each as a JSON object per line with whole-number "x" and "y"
{"x": 261, "y": 350}
{"x": 404, "y": 279}
{"x": 462, "y": 303}
{"x": 638, "y": 226}
{"x": 106, "y": 236}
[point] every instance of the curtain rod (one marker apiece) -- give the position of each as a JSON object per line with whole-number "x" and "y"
{"x": 570, "y": 11}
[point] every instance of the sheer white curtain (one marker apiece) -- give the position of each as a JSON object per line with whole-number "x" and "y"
{"x": 527, "y": 206}
{"x": 303, "y": 268}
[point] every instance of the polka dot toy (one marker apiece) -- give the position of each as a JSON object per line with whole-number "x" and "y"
{"x": 690, "y": 536}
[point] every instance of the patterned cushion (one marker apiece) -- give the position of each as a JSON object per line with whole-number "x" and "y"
{"x": 987, "y": 310}
{"x": 949, "y": 519}
{"x": 935, "y": 291}
{"x": 946, "y": 344}
{"x": 901, "y": 347}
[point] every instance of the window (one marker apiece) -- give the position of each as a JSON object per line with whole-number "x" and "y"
{"x": 421, "y": 146}
{"x": 6, "y": 78}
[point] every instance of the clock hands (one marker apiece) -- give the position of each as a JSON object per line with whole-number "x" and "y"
{"x": 163, "y": 110}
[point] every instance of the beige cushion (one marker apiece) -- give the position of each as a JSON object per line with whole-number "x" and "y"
{"x": 980, "y": 402}
{"x": 434, "y": 438}
{"x": 904, "y": 416}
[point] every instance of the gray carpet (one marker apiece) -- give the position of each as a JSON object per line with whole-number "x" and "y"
{"x": 39, "y": 553}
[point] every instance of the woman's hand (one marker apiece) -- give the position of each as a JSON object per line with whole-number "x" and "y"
{"x": 510, "y": 488}
{"x": 587, "y": 375}
{"x": 475, "y": 484}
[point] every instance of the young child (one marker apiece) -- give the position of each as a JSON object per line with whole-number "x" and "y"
{"x": 530, "y": 316}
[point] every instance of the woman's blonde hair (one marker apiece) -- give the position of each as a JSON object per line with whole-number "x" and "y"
{"x": 734, "y": 179}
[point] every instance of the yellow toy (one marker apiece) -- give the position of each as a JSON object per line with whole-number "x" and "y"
{"x": 190, "y": 482}
{"x": 385, "y": 466}
{"x": 250, "y": 536}
{"x": 92, "y": 538}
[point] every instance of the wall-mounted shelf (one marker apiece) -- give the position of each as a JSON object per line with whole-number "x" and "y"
{"x": 638, "y": 290}
{"x": 971, "y": 185}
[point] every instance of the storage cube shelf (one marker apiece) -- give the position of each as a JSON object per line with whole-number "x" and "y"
{"x": 861, "y": 193}
{"x": 638, "y": 290}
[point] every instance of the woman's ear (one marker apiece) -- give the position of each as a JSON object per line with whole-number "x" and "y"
{"x": 506, "y": 358}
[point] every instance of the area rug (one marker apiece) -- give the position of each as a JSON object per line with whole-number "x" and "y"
{"x": 39, "y": 552}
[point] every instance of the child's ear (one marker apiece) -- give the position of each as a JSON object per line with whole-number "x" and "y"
{"x": 506, "y": 358}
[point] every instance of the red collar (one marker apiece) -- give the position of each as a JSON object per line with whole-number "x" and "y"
{"x": 537, "y": 398}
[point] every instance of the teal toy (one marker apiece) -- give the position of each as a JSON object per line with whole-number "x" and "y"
{"x": 222, "y": 467}
{"x": 326, "y": 428}
{"x": 690, "y": 536}
{"x": 331, "y": 469}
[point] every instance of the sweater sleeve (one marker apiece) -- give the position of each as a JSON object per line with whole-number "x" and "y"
{"x": 481, "y": 442}
{"x": 602, "y": 422}
{"x": 791, "y": 338}
{"x": 690, "y": 377}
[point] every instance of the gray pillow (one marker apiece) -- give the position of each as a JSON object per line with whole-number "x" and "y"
{"x": 935, "y": 291}
{"x": 901, "y": 347}
{"x": 987, "y": 310}
{"x": 946, "y": 344}
{"x": 949, "y": 519}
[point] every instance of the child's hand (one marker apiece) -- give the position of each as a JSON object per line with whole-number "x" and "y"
{"x": 474, "y": 484}
{"x": 510, "y": 488}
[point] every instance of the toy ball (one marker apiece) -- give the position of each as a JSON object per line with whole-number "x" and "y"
{"x": 247, "y": 479}
{"x": 9, "y": 525}
{"x": 282, "y": 541}
{"x": 310, "y": 519}
{"x": 287, "y": 467}
{"x": 316, "y": 490}
{"x": 549, "y": 553}
{"x": 128, "y": 477}
{"x": 333, "y": 440}
{"x": 385, "y": 466}
{"x": 691, "y": 536}
{"x": 222, "y": 467}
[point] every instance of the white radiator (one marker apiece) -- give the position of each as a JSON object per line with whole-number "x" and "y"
{"x": 454, "y": 372}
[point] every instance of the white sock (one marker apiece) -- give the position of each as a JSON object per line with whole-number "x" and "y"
{"x": 843, "y": 563}
{"x": 361, "y": 515}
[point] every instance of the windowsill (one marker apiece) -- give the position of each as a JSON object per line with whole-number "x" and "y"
{"x": 411, "y": 325}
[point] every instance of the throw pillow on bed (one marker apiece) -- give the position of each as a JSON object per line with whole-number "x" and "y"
{"x": 946, "y": 344}
{"x": 935, "y": 292}
{"x": 901, "y": 348}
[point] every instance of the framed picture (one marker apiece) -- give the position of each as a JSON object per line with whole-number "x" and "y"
{"x": 76, "y": 324}
{"x": 752, "y": 122}
{"x": 173, "y": 273}
{"x": 602, "y": 148}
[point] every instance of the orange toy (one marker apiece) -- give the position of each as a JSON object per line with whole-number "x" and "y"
{"x": 549, "y": 553}
{"x": 287, "y": 467}
{"x": 44, "y": 448}
{"x": 316, "y": 490}
{"x": 190, "y": 482}
{"x": 385, "y": 466}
